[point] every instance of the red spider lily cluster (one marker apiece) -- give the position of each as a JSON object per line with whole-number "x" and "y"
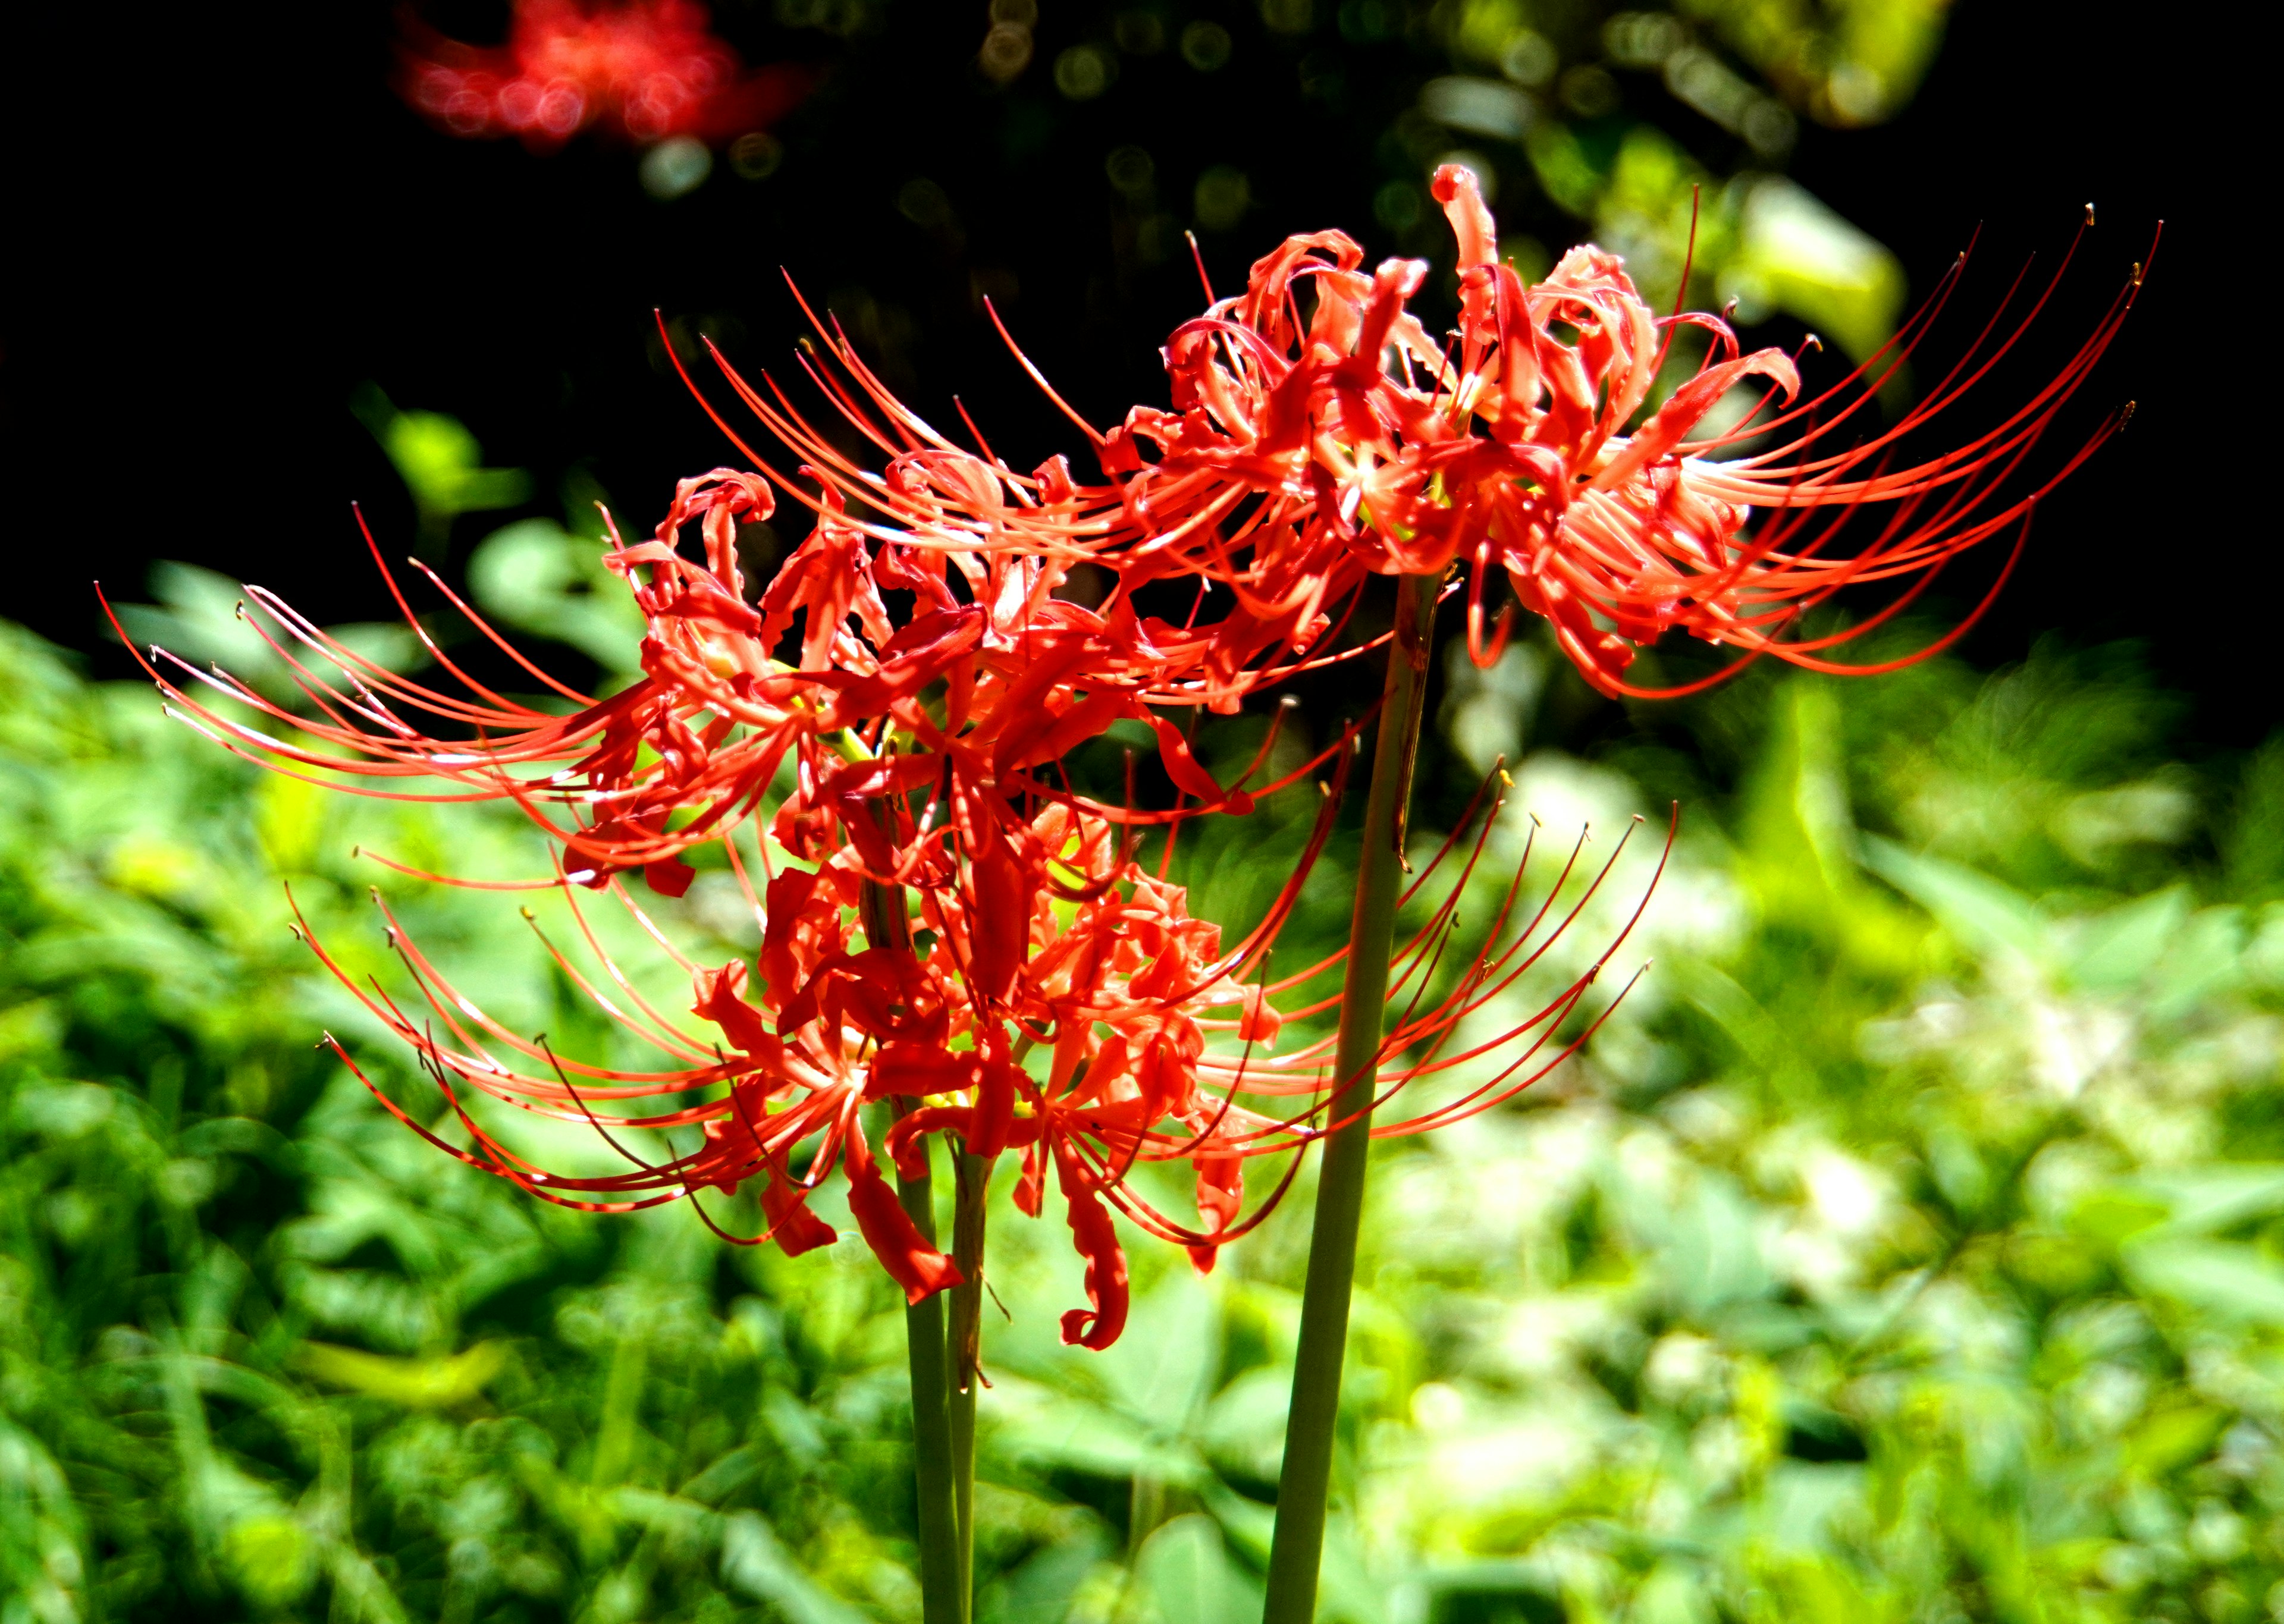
{"x": 645, "y": 69}
{"x": 948, "y": 926}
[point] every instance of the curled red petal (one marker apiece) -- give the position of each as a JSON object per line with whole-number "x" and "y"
{"x": 888, "y": 1229}
{"x": 793, "y": 1226}
{"x": 1095, "y": 1237}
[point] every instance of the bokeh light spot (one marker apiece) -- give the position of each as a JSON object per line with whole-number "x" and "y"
{"x": 1130, "y": 170}
{"x": 1588, "y": 91}
{"x": 757, "y": 154}
{"x": 1139, "y": 32}
{"x": 1529, "y": 59}
{"x": 1205, "y": 46}
{"x": 1006, "y": 51}
{"x": 1480, "y": 107}
{"x": 1398, "y": 206}
{"x": 1084, "y": 71}
{"x": 1643, "y": 39}
{"x": 1768, "y": 127}
{"x": 923, "y": 202}
{"x": 675, "y": 168}
{"x": 1223, "y": 196}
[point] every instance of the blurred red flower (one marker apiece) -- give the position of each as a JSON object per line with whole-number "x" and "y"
{"x": 645, "y": 69}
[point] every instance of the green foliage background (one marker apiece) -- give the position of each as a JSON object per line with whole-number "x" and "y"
{"x": 1906, "y": 1247}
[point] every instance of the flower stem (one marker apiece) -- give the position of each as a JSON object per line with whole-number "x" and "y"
{"x": 973, "y": 1174}
{"x": 943, "y": 1596}
{"x": 1297, "y": 1550}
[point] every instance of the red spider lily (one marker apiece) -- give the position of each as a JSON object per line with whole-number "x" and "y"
{"x": 1300, "y": 456}
{"x": 646, "y": 70}
{"x": 1044, "y": 933}
{"x": 1292, "y": 1096}
{"x": 1365, "y": 445}
{"x": 1124, "y": 989}
{"x": 1121, "y": 990}
{"x": 1298, "y": 459}
{"x": 706, "y": 727}
{"x": 801, "y": 1085}
{"x": 932, "y": 496}
{"x": 992, "y": 682}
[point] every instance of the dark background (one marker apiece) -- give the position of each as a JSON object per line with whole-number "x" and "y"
{"x": 225, "y": 222}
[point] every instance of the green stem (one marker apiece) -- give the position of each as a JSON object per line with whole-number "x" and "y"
{"x": 942, "y": 1593}
{"x": 942, "y": 1597}
{"x": 974, "y": 1180}
{"x": 1298, "y": 1547}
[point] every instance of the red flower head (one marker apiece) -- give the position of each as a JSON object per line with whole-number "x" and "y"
{"x": 1078, "y": 958}
{"x": 645, "y": 69}
{"x": 692, "y": 744}
{"x": 1118, "y": 995}
{"x": 1353, "y": 442}
{"x": 681, "y": 756}
{"x": 1302, "y": 454}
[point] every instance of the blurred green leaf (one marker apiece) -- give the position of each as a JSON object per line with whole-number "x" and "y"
{"x": 443, "y": 1383}
{"x": 1795, "y": 254}
{"x": 2219, "y": 1278}
{"x": 1985, "y": 917}
{"x": 1188, "y": 1572}
{"x": 534, "y": 576}
{"x": 438, "y": 461}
